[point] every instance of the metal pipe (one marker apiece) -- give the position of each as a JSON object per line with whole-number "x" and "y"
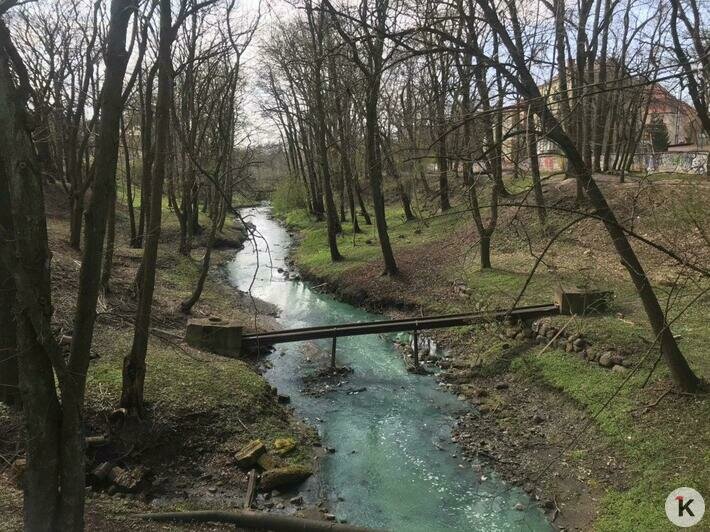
{"x": 416, "y": 348}
{"x": 332, "y": 353}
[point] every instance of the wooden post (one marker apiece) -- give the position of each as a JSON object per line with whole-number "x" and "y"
{"x": 332, "y": 353}
{"x": 251, "y": 490}
{"x": 416, "y": 348}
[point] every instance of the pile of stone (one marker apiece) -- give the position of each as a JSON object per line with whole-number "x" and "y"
{"x": 114, "y": 478}
{"x": 575, "y": 342}
{"x": 274, "y": 473}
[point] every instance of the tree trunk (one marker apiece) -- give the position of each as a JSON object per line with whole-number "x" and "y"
{"x": 485, "y": 248}
{"x": 133, "y": 236}
{"x": 374, "y": 165}
{"x": 442, "y": 162}
{"x": 9, "y": 384}
{"x": 316, "y": 28}
{"x": 102, "y": 198}
{"x": 25, "y": 253}
{"x": 76, "y": 211}
{"x": 134, "y": 363}
{"x": 360, "y": 201}
{"x": 392, "y": 170}
{"x": 42, "y": 415}
{"x": 682, "y": 375}
{"x": 535, "y": 167}
{"x": 110, "y": 243}
{"x": 186, "y": 305}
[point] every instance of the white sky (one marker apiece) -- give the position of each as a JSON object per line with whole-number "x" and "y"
{"x": 264, "y": 130}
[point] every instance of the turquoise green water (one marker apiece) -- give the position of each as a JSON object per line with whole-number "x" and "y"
{"x": 394, "y": 465}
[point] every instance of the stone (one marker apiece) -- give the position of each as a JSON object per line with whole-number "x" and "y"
{"x": 541, "y": 339}
{"x": 125, "y": 480}
{"x": 283, "y": 399}
{"x": 267, "y": 462}
{"x": 250, "y": 453}
{"x": 101, "y": 471}
{"x": 511, "y": 332}
{"x": 329, "y": 517}
{"x": 548, "y": 504}
{"x": 538, "y": 418}
{"x": 214, "y": 335}
{"x": 284, "y": 445}
{"x": 582, "y": 301}
{"x": 519, "y": 507}
{"x": 283, "y": 476}
{"x": 296, "y": 501}
{"x": 501, "y": 386}
{"x": 619, "y": 369}
{"x": 605, "y": 360}
{"x": 617, "y": 359}
{"x": 579, "y": 344}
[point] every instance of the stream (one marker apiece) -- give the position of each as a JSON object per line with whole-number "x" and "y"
{"x": 394, "y": 465}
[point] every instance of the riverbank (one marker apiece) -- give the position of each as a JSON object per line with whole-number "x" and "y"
{"x": 382, "y": 469}
{"x": 201, "y": 408}
{"x": 598, "y": 449}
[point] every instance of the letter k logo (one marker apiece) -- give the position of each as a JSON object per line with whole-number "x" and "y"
{"x": 684, "y": 507}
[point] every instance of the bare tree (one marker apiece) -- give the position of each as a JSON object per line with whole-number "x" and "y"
{"x": 55, "y": 478}
{"x": 523, "y": 80}
{"x": 366, "y": 39}
{"x": 688, "y": 19}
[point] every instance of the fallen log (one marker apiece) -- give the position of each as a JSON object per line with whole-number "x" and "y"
{"x": 257, "y": 520}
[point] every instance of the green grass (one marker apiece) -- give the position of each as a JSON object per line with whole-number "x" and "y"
{"x": 313, "y": 254}
{"x": 664, "y": 449}
{"x": 178, "y": 384}
{"x": 662, "y": 452}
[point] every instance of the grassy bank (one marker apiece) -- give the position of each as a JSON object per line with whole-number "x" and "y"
{"x": 201, "y": 408}
{"x": 662, "y": 438}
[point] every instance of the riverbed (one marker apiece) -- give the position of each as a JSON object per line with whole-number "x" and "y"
{"x": 392, "y": 464}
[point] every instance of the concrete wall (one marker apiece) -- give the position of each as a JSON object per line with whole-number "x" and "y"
{"x": 697, "y": 162}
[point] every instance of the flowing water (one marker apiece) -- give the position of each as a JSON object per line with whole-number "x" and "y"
{"x": 394, "y": 465}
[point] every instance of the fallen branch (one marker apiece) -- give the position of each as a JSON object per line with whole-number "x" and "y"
{"x": 262, "y": 521}
{"x": 552, "y": 340}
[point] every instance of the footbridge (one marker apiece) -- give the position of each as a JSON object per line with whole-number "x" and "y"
{"x": 263, "y": 340}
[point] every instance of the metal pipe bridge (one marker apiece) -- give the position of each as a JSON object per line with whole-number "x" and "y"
{"x": 414, "y": 325}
